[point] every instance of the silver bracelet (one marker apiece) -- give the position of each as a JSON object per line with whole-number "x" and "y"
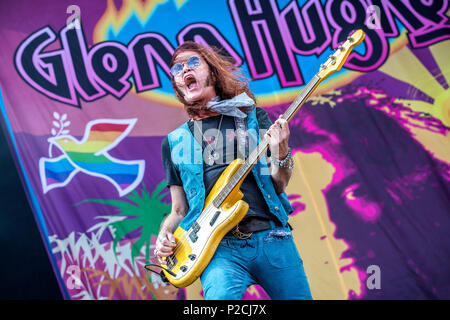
{"x": 286, "y": 163}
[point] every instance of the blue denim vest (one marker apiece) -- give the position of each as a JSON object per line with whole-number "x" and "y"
{"x": 187, "y": 156}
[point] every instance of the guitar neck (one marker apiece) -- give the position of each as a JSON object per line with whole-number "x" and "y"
{"x": 261, "y": 149}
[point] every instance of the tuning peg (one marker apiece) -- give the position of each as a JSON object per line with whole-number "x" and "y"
{"x": 350, "y": 39}
{"x": 333, "y": 59}
{"x": 322, "y": 66}
{"x": 341, "y": 48}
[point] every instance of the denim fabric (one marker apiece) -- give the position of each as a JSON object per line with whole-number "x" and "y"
{"x": 268, "y": 258}
{"x": 187, "y": 156}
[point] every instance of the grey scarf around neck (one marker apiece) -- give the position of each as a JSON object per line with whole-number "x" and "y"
{"x": 229, "y": 107}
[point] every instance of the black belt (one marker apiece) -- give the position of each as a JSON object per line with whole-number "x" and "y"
{"x": 249, "y": 225}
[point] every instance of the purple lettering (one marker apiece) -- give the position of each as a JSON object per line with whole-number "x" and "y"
{"x": 346, "y": 16}
{"x": 45, "y": 72}
{"x": 208, "y": 35}
{"x": 109, "y": 60}
{"x": 265, "y": 41}
{"x": 270, "y": 39}
{"x": 425, "y": 21}
{"x": 149, "y": 49}
{"x": 305, "y": 38}
{"x": 82, "y": 75}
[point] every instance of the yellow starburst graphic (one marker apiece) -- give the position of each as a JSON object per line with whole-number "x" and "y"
{"x": 406, "y": 67}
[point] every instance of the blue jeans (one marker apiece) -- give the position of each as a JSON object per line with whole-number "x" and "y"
{"x": 268, "y": 258}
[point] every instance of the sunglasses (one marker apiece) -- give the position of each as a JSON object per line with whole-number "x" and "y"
{"x": 192, "y": 63}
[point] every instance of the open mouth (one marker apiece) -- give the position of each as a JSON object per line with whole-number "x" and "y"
{"x": 190, "y": 82}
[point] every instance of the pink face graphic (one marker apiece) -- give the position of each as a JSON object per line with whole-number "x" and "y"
{"x": 385, "y": 198}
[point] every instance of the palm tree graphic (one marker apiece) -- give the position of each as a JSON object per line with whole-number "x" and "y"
{"x": 144, "y": 212}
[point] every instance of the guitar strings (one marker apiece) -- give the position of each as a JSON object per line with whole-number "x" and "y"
{"x": 183, "y": 241}
{"x": 206, "y": 214}
{"x": 201, "y": 219}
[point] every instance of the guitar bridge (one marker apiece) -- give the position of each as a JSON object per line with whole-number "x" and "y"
{"x": 171, "y": 261}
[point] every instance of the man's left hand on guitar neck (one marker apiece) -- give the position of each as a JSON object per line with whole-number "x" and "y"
{"x": 278, "y": 138}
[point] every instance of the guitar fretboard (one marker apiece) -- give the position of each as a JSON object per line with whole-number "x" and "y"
{"x": 260, "y": 149}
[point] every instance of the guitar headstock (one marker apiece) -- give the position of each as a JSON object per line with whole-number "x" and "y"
{"x": 337, "y": 59}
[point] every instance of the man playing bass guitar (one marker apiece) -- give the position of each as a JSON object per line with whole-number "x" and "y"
{"x": 260, "y": 249}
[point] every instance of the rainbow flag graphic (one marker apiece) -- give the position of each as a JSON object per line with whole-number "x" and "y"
{"x": 90, "y": 155}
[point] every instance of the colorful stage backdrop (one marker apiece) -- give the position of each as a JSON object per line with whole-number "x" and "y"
{"x": 86, "y": 106}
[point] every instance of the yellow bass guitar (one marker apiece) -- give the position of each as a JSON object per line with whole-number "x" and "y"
{"x": 224, "y": 207}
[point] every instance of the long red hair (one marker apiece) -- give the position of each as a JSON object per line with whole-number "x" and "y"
{"x": 229, "y": 80}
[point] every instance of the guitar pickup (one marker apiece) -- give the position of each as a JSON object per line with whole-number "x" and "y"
{"x": 193, "y": 233}
{"x": 193, "y": 236}
{"x": 214, "y": 218}
{"x": 195, "y": 227}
